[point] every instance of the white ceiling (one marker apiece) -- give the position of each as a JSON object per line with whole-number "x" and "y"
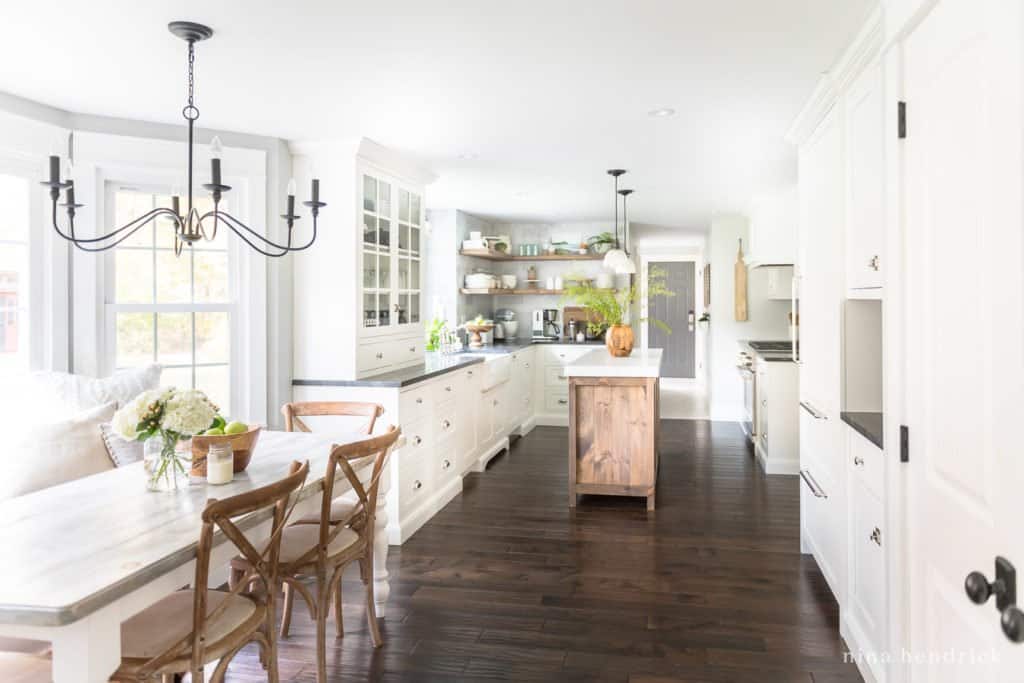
{"x": 519, "y": 106}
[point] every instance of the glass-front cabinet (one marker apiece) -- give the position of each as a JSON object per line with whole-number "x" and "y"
{"x": 392, "y": 221}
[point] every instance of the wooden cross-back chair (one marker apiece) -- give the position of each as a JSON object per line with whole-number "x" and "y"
{"x": 324, "y": 550}
{"x": 191, "y": 628}
{"x": 294, "y": 412}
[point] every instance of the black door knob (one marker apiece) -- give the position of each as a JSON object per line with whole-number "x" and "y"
{"x": 1012, "y": 621}
{"x": 978, "y": 588}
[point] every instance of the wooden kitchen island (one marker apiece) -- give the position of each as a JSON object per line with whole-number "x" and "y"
{"x": 613, "y": 424}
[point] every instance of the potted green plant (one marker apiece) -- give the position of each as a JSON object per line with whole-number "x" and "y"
{"x": 602, "y": 243}
{"x": 609, "y": 308}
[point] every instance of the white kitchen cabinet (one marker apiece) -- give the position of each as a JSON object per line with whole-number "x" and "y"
{"x": 778, "y": 282}
{"x": 391, "y": 251}
{"x": 777, "y": 443}
{"x": 865, "y": 215}
{"x": 773, "y": 229}
{"x": 552, "y": 388}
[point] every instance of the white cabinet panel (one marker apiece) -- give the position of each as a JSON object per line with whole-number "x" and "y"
{"x": 865, "y": 226}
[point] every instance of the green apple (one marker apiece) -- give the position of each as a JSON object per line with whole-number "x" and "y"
{"x": 236, "y": 428}
{"x": 213, "y": 431}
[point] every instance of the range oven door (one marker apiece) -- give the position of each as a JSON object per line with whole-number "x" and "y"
{"x": 748, "y": 421}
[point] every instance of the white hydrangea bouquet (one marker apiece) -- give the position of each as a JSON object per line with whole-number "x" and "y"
{"x": 162, "y": 418}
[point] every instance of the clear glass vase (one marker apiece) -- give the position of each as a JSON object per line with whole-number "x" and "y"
{"x": 167, "y": 459}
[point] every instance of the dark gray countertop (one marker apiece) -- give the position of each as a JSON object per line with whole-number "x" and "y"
{"x": 434, "y": 365}
{"x": 868, "y": 425}
{"x": 768, "y": 356}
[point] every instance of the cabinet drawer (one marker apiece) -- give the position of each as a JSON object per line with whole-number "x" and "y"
{"x": 825, "y": 524}
{"x": 448, "y": 386}
{"x": 414, "y": 404}
{"x": 554, "y": 376}
{"x": 560, "y": 355}
{"x": 375, "y": 356}
{"x": 446, "y": 421}
{"x": 407, "y": 350}
{"x": 556, "y": 401}
{"x": 414, "y": 469}
{"x": 445, "y": 467}
{"x": 866, "y": 461}
{"x": 418, "y": 436}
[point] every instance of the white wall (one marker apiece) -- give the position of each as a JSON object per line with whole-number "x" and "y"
{"x": 766, "y": 318}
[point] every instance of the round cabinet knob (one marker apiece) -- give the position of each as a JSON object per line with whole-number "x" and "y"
{"x": 412, "y": 349}
{"x": 416, "y": 440}
{"x": 495, "y": 401}
{"x": 446, "y": 465}
{"x": 858, "y": 461}
{"x": 419, "y": 400}
{"x": 979, "y": 590}
{"x": 380, "y": 355}
{"x": 469, "y": 373}
{"x": 873, "y": 263}
{"x": 1012, "y": 622}
{"x": 447, "y": 388}
{"x": 417, "y": 486}
{"x": 447, "y": 424}
{"x": 876, "y": 536}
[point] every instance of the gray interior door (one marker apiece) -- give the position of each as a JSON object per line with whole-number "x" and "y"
{"x": 679, "y": 358}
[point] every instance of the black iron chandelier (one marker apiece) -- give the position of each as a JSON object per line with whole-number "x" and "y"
{"x": 189, "y": 227}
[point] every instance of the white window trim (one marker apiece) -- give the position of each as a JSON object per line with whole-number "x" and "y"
{"x": 146, "y": 162}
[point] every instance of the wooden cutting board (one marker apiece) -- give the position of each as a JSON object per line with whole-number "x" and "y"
{"x": 740, "y": 286}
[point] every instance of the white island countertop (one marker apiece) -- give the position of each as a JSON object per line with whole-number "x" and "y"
{"x": 600, "y": 363}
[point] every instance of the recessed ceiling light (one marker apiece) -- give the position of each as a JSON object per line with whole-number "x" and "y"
{"x": 667, "y": 111}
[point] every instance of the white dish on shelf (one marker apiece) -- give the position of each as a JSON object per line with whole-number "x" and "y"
{"x": 480, "y": 281}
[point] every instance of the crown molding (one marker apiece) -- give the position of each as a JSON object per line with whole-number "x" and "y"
{"x": 834, "y": 82}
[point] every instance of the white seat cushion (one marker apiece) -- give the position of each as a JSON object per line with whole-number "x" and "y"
{"x": 45, "y": 455}
{"x": 341, "y": 508}
{"x": 153, "y": 630}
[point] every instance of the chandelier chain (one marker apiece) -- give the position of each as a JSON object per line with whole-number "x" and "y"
{"x": 191, "y": 111}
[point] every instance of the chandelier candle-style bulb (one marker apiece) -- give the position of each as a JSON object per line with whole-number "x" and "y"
{"x": 215, "y": 152}
{"x": 55, "y": 170}
{"x": 315, "y": 191}
{"x": 291, "y": 197}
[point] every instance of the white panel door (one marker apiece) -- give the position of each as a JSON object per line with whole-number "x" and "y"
{"x": 965, "y": 345}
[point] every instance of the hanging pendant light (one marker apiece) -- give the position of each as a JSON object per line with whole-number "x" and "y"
{"x": 613, "y": 259}
{"x": 624, "y": 264}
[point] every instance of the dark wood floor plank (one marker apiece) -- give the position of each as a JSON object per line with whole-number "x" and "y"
{"x": 508, "y": 583}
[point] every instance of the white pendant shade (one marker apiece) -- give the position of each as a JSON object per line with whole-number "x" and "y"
{"x": 617, "y": 261}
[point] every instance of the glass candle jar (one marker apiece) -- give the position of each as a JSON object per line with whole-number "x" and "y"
{"x": 220, "y": 464}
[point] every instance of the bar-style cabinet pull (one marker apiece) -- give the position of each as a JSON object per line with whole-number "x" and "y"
{"x": 812, "y": 484}
{"x": 817, "y": 414}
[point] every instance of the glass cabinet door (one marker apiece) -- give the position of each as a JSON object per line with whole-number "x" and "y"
{"x": 376, "y": 253}
{"x": 409, "y": 286}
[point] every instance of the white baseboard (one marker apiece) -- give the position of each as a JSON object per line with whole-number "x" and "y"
{"x": 401, "y": 530}
{"x": 526, "y": 427}
{"x": 487, "y": 454}
{"x": 870, "y": 671}
{"x": 776, "y": 466}
{"x": 552, "y": 420}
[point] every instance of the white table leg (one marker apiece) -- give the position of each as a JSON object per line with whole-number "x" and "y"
{"x": 89, "y": 650}
{"x": 381, "y": 587}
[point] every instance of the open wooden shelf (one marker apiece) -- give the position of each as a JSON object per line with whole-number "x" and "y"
{"x": 499, "y": 292}
{"x": 492, "y": 255}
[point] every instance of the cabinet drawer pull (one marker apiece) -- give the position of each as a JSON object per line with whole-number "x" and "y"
{"x": 412, "y": 349}
{"x": 764, "y": 403}
{"x": 812, "y": 484}
{"x": 858, "y": 461}
{"x": 873, "y": 263}
{"x": 563, "y": 401}
{"x": 447, "y": 424}
{"x": 817, "y": 414}
{"x": 495, "y": 401}
{"x": 380, "y": 355}
{"x": 417, "y": 485}
{"x": 416, "y": 441}
{"x": 446, "y": 464}
{"x": 876, "y": 536}
{"x": 448, "y": 388}
{"x": 469, "y": 373}
{"x": 419, "y": 400}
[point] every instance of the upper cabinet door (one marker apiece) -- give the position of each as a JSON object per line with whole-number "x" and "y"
{"x": 865, "y": 217}
{"x": 391, "y": 256}
{"x": 376, "y": 210}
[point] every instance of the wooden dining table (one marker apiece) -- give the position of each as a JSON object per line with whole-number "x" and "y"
{"x": 82, "y": 557}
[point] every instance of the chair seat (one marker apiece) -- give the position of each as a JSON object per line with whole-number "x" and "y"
{"x": 155, "y": 629}
{"x": 297, "y": 540}
{"x": 341, "y": 509}
{"x": 21, "y": 667}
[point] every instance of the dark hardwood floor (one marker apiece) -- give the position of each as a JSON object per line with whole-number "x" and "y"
{"x": 507, "y": 583}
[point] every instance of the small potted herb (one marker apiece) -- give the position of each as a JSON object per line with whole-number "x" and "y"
{"x": 602, "y": 243}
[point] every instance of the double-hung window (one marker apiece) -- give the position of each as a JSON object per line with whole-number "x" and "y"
{"x": 175, "y": 310}
{"x": 15, "y": 203}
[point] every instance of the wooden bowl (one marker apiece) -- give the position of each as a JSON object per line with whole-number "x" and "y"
{"x": 242, "y": 445}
